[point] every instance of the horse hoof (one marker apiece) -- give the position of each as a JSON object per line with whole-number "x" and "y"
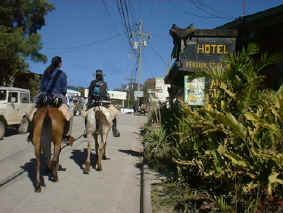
{"x": 86, "y": 171}
{"x": 61, "y": 168}
{"x": 105, "y": 158}
{"x": 38, "y": 189}
{"x": 54, "y": 179}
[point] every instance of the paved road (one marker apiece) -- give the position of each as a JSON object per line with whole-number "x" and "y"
{"x": 116, "y": 189}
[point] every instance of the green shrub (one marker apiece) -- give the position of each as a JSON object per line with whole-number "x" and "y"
{"x": 235, "y": 138}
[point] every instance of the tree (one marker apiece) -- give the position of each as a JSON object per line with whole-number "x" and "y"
{"x": 28, "y": 80}
{"x": 149, "y": 84}
{"x": 19, "y": 22}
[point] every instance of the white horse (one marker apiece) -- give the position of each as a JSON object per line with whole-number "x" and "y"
{"x": 104, "y": 116}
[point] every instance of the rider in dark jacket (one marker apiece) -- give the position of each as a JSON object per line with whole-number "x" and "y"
{"x": 103, "y": 87}
{"x": 103, "y": 95}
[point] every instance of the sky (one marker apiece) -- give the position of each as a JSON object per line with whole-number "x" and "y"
{"x": 89, "y": 34}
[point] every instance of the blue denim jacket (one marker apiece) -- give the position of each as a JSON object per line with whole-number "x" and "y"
{"x": 59, "y": 88}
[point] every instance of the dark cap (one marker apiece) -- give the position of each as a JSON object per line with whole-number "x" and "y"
{"x": 56, "y": 60}
{"x": 99, "y": 72}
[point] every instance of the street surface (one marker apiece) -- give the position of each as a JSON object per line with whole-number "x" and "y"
{"x": 115, "y": 189}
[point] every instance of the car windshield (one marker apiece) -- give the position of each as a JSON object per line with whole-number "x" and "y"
{"x": 3, "y": 95}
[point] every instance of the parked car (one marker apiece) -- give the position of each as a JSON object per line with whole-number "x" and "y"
{"x": 15, "y": 105}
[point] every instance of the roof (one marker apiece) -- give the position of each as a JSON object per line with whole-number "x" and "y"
{"x": 180, "y": 33}
{"x": 72, "y": 91}
{"x": 14, "y": 89}
{"x": 260, "y": 17}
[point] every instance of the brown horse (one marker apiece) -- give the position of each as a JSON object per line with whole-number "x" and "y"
{"x": 104, "y": 117}
{"x": 48, "y": 125}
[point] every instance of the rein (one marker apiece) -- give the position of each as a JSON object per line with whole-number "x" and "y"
{"x": 67, "y": 144}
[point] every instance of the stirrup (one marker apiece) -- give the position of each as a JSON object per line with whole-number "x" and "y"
{"x": 29, "y": 138}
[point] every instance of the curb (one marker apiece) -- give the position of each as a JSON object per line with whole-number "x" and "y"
{"x": 145, "y": 192}
{"x": 148, "y": 176}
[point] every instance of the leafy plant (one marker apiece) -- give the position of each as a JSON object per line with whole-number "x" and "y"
{"x": 237, "y": 135}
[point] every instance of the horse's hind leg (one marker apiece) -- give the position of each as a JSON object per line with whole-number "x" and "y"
{"x": 87, "y": 162}
{"x": 98, "y": 151}
{"x": 104, "y": 157}
{"x": 99, "y": 158}
{"x": 96, "y": 143}
{"x": 55, "y": 159}
{"x": 106, "y": 132}
{"x": 102, "y": 146}
{"x": 37, "y": 155}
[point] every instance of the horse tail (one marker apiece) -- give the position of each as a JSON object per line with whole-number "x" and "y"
{"x": 46, "y": 137}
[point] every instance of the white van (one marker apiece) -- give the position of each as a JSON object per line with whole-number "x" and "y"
{"x": 15, "y": 105}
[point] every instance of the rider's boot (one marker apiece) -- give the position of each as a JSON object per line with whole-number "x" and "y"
{"x": 30, "y": 127}
{"x": 67, "y": 132}
{"x": 85, "y": 129}
{"x": 30, "y": 136}
{"x": 115, "y": 131}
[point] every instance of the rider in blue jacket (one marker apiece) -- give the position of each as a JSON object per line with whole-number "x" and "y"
{"x": 54, "y": 83}
{"x": 60, "y": 87}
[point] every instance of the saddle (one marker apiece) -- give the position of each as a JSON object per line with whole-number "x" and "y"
{"x": 110, "y": 112}
{"x": 49, "y": 100}
{"x": 105, "y": 106}
{"x": 53, "y": 101}
{"x": 98, "y": 102}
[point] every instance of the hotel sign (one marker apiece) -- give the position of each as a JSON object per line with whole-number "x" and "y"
{"x": 205, "y": 52}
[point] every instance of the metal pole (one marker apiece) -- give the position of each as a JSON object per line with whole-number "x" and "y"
{"x": 139, "y": 55}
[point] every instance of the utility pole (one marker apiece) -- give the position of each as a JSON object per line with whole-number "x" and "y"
{"x": 138, "y": 45}
{"x": 131, "y": 88}
{"x": 141, "y": 41}
{"x": 244, "y": 7}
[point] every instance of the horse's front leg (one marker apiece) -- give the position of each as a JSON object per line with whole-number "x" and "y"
{"x": 87, "y": 162}
{"x": 37, "y": 155}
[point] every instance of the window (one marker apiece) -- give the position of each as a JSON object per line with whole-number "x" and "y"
{"x": 24, "y": 97}
{"x": 13, "y": 96}
{"x": 3, "y": 95}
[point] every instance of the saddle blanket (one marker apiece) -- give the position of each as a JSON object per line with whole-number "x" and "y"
{"x": 63, "y": 108}
{"x": 110, "y": 112}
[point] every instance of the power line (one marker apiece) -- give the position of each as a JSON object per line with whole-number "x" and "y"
{"x": 205, "y": 17}
{"x": 123, "y": 9}
{"x": 106, "y": 8}
{"x": 86, "y": 44}
{"x": 156, "y": 52}
{"x": 206, "y": 9}
{"x": 129, "y": 20}
{"x": 206, "y": 6}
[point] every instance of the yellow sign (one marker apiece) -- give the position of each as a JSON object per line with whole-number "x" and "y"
{"x": 220, "y": 49}
{"x": 201, "y": 65}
